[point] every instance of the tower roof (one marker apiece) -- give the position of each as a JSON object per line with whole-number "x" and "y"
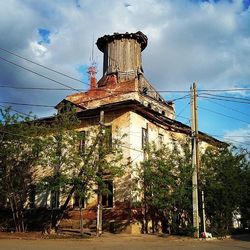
{"x": 139, "y": 36}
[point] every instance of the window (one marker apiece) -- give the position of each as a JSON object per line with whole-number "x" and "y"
{"x": 144, "y": 137}
{"x": 160, "y": 140}
{"x": 107, "y": 197}
{"x": 108, "y": 137}
{"x": 82, "y": 141}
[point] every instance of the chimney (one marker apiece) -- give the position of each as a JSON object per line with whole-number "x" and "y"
{"x": 92, "y": 77}
{"x": 122, "y": 52}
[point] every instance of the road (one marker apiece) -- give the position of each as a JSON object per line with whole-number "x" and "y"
{"x": 118, "y": 242}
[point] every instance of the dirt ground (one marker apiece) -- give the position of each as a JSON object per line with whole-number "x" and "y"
{"x": 115, "y": 242}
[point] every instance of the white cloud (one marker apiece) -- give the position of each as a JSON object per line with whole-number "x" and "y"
{"x": 38, "y": 49}
{"x": 239, "y": 137}
{"x": 203, "y": 41}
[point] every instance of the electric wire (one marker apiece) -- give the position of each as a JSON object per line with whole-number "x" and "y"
{"x": 43, "y": 66}
{"x": 41, "y": 75}
{"x": 160, "y": 91}
{"x": 229, "y": 108}
{"x": 227, "y": 100}
{"x": 233, "y": 141}
{"x": 228, "y": 97}
{"x": 28, "y": 104}
{"x": 19, "y": 112}
{"x": 218, "y": 113}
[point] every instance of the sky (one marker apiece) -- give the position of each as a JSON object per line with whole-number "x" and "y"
{"x": 206, "y": 41}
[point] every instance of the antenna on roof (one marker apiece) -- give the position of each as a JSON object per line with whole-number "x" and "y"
{"x": 92, "y": 52}
{"x": 92, "y": 71}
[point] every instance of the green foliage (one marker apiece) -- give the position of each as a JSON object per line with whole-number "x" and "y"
{"x": 75, "y": 161}
{"x": 68, "y": 160}
{"x": 19, "y": 147}
{"x": 165, "y": 180}
{"x": 224, "y": 181}
{"x": 244, "y": 207}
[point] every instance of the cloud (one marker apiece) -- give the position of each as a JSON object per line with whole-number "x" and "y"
{"x": 239, "y": 137}
{"x": 207, "y": 41}
{"x": 38, "y": 49}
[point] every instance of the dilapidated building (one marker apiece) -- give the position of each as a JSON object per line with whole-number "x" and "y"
{"x": 132, "y": 105}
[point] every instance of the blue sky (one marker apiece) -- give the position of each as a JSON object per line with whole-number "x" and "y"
{"x": 45, "y": 36}
{"x": 207, "y": 41}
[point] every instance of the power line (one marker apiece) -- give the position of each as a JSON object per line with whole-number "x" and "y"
{"x": 229, "y": 97}
{"x": 19, "y": 112}
{"x": 37, "y": 88}
{"x": 180, "y": 98}
{"x": 234, "y": 141}
{"x": 160, "y": 91}
{"x": 229, "y": 136}
{"x": 40, "y": 65}
{"x": 224, "y": 90}
{"x": 227, "y": 100}
{"x": 218, "y": 113}
{"x": 50, "y": 106}
{"x": 29, "y": 104}
{"x": 36, "y": 73}
{"x": 219, "y": 104}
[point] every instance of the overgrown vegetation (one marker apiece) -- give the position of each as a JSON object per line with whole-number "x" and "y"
{"x": 61, "y": 160}
{"x": 19, "y": 150}
{"x": 56, "y": 159}
{"x": 165, "y": 182}
{"x": 225, "y": 180}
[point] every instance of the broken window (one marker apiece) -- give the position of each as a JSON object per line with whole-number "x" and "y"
{"x": 144, "y": 137}
{"x": 107, "y": 197}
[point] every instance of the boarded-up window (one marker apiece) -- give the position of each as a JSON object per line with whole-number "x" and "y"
{"x": 107, "y": 197}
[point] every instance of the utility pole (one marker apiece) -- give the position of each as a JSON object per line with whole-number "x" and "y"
{"x": 99, "y": 205}
{"x": 195, "y": 159}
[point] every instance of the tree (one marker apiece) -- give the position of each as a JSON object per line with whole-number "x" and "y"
{"x": 222, "y": 179}
{"x": 165, "y": 181}
{"x": 77, "y": 161}
{"x": 58, "y": 159}
{"x": 244, "y": 207}
{"x": 19, "y": 150}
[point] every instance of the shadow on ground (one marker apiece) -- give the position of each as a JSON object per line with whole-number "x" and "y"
{"x": 242, "y": 237}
